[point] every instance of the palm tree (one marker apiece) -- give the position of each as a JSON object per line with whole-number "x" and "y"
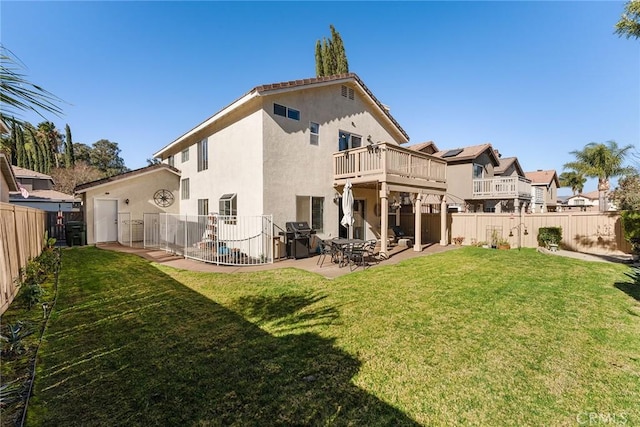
{"x": 573, "y": 180}
{"x": 18, "y": 94}
{"x": 602, "y": 161}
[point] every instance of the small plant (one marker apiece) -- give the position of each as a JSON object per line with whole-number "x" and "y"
{"x": 9, "y": 393}
{"x": 503, "y": 243}
{"x": 548, "y": 236}
{"x": 458, "y": 240}
{"x": 49, "y": 242}
{"x": 31, "y": 294}
{"x": 12, "y": 344}
{"x": 494, "y": 238}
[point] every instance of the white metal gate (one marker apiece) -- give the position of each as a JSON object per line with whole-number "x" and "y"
{"x": 218, "y": 239}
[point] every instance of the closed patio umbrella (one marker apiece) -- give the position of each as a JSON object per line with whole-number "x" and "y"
{"x": 347, "y": 208}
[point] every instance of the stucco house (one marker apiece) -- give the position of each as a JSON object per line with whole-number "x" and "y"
{"x": 544, "y": 190}
{"x": 288, "y": 149}
{"x": 479, "y": 180}
{"x": 114, "y": 207}
{"x": 35, "y": 190}
{"x": 585, "y": 202}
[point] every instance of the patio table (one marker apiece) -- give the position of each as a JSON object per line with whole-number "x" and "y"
{"x": 341, "y": 244}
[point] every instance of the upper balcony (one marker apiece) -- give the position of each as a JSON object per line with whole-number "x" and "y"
{"x": 384, "y": 162}
{"x": 509, "y": 187}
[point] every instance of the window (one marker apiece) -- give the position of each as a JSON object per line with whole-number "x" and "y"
{"x": 203, "y": 155}
{"x": 311, "y": 210}
{"x": 229, "y": 204}
{"x": 347, "y": 141}
{"x": 314, "y": 130}
{"x": 185, "y": 155}
{"x": 171, "y": 161}
{"x": 184, "y": 194}
{"x": 203, "y": 206}
{"x": 478, "y": 171}
{"x": 281, "y": 110}
{"x": 539, "y": 196}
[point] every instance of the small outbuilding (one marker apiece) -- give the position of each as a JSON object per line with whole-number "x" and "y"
{"x": 115, "y": 207}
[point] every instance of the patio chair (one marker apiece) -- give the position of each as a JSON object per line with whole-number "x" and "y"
{"x": 326, "y": 248}
{"x": 399, "y": 234}
{"x": 361, "y": 254}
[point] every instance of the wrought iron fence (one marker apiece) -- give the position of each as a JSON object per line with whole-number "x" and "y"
{"x": 213, "y": 238}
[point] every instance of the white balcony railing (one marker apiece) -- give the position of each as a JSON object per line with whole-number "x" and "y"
{"x": 502, "y": 187}
{"x": 385, "y": 161}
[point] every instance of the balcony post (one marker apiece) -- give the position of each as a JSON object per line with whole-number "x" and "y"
{"x": 443, "y": 221}
{"x": 417, "y": 246}
{"x": 384, "y": 218}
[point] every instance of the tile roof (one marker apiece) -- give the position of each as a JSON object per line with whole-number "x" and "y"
{"x": 468, "y": 153}
{"x": 126, "y": 175}
{"x": 296, "y": 84}
{"x": 330, "y": 79}
{"x": 41, "y": 195}
{"x": 28, "y": 173}
{"x": 422, "y": 145}
{"x": 542, "y": 177}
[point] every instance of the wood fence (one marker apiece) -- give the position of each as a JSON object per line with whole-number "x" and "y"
{"x": 589, "y": 232}
{"x": 21, "y": 238}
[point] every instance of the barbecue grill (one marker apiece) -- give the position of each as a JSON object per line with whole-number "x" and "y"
{"x": 297, "y": 239}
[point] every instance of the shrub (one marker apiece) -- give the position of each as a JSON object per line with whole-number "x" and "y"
{"x": 12, "y": 344}
{"x": 549, "y": 236}
{"x": 631, "y": 228}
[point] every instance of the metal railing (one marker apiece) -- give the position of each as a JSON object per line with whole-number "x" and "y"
{"x": 502, "y": 187}
{"x": 384, "y": 160}
{"x": 213, "y": 238}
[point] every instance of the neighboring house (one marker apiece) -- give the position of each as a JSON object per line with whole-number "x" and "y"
{"x": 114, "y": 207}
{"x": 585, "y": 202}
{"x": 544, "y": 190}
{"x": 8, "y": 180}
{"x": 478, "y": 180}
{"x": 288, "y": 149}
{"x": 36, "y": 191}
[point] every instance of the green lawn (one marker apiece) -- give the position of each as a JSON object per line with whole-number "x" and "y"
{"x": 466, "y": 337}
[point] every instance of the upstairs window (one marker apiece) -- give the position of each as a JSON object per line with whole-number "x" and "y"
{"x": 478, "y": 171}
{"x": 229, "y": 204}
{"x": 281, "y": 110}
{"x": 314, "y": 131}
{"x": 171, "y": 161}
{"x": 185, "y": 155}
{"x": 203, "y": 155}
{"x": 184, "y": 189}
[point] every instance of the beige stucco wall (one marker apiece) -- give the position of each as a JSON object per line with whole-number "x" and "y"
{"x": 139, "y": 190}
{"x": 235, "y": 166}
{"x": 293, "y": 167}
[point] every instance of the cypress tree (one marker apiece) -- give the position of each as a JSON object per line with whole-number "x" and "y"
{"x": 13, "y": 150}
{"x": 69, "y": 157}
{"x": 319, "y": 66}
{"x": 21, "y": 153}
{"x": 331, "y": 57}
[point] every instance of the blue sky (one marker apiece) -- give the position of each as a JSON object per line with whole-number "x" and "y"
{"x": 536, "y": 79}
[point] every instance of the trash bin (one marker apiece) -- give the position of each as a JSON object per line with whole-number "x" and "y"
{"x": 76, "y": 233}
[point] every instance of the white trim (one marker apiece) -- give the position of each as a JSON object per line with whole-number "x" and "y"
{"x": 137, "y": 175}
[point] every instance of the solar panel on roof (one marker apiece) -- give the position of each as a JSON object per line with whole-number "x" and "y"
{"x": 452, "y": 153}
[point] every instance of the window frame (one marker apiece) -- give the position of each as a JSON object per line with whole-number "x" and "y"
{"x": 203, "y": 154}
{"x": 184, "y": 155}
{"x": 314, "y": 137}
{"x": 203, "y": 207}
{"x": 232, "y": 208}
{"x": 171, "y": 161}
{"x": 184, "y": 189}
{"x": 311, "y": 210}
{"x": 284, "y": 111}
{"x": 473, "y": 172}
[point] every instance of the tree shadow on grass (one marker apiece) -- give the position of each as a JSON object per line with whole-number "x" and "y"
{"x": 166, "y": 355}
{"x": 631, "y": 288}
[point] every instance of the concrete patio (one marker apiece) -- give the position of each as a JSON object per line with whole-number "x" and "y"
{"x": 328, "y": 269}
